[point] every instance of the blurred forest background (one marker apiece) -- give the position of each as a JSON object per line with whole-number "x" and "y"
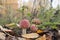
{"x": 12, "y": 11}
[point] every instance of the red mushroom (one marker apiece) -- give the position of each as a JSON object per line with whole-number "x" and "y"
{"x": 33, "y": 28}
{"x": 24, "y": 24}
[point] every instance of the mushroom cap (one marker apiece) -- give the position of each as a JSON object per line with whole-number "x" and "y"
{"x": 36, "y": 21}
{"x": 31, "y": 35}
{"x": 24, "y": 23}
{"x": 33, "y": 28}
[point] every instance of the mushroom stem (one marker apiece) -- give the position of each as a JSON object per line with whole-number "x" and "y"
{"x": 23, "y": 31}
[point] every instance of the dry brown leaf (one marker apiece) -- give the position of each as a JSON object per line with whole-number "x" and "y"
{"x": 42, "y": 38}
{"x": 31, "y": 35}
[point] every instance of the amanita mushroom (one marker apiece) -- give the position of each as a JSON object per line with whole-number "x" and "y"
{"x": 24, "y": 24}
{"x": 33, "y": 28}
{"x": 36, "y": 21}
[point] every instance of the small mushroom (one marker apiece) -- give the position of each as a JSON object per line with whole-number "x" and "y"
{"x": 24, "y": 24}
{"x": 33, "y": 28}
